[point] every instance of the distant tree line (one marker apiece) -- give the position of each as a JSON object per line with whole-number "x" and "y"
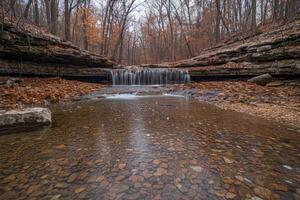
{"x": 134, "y": 32}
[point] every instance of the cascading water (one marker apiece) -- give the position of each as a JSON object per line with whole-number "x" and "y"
{"x": 149, "y": 76}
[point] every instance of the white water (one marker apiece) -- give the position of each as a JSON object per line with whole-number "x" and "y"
{"x": 149, "y": 76}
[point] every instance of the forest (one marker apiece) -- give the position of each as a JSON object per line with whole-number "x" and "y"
{"x": 150, "y": 99}
{"x": 134, "y": 32}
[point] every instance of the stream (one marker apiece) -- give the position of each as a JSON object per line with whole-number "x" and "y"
{"x": 151, "y": 147}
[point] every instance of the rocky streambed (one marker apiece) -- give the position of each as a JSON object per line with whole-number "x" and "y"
{"x": 277, "y": 101}
{"x": 135, "y": 145}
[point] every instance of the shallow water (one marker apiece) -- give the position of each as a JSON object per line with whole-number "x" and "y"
{"x": 151, "y": 148}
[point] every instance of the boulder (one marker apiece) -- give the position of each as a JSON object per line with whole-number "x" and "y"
{"x": 24, "y": 120}
{"x": 262, "y": 79}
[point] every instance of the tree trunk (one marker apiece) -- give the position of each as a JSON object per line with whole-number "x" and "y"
{"x": 12, "y": 5}
{"x": 36, "y": 13}
{"x": 85, "y": 34}
{"x": 253, "y": 21}
{"x": 67, "y": 21}
{"x": 123, "y": 26}
{"x": 27, "y": 9}
{"x": 54, "y": 16}
{"x": 290, "y": 10}
{"x": 218, "y": 20}
{"x": 275, "y": 10}
{"x": 48, "y": 15}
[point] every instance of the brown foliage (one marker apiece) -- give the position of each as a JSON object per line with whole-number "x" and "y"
{"x": 32, "y": 91}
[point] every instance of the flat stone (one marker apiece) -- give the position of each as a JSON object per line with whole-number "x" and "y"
{"x": 119, "y": 188}
{"x": 120, "y": 178}
{"x": 220, "y": 193}
{"x": 230, "y": 195}
{"x": 22, "y": 120}
{"x": 133, "y": 196}
{"x": 33, "y": 188}
{"x": 100, "y": 179}
{"x": 279, "y": 187}
{"x": 240, "y": 178}
{"x": 228, "y": 160}
{"x": 72, "y": 178}
{"x": 196, "y": 168}
{"x": 228, "y": 180}
{"x": 61, "y": 185}
{"x": 122, "y": 166}
{"x": 55, "y": 197}
{"x": 147, "y": 185}
{"x": 164, "y": 165}
{"x": 156, "y": 162}
{"x": 136, "y": 178}
{"x": 79, "y": 190}
{"x": 147, "y": 174}
{"x": 256, "y": 198}
{"x": 159, "y": 172}
{"x": 262, "y": 192}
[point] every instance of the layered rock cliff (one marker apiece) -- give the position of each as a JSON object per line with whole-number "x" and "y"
{"x": 276, "y": 52}
{"x": 29, "y": 51}
{"x": 32, "y": 52}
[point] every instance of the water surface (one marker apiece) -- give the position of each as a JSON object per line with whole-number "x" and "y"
{"x": 151, "y": 148}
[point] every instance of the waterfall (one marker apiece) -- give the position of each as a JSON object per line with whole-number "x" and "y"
{"x": 149, "y": 76}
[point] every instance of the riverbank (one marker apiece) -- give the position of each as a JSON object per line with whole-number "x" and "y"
{"x": 28, "y": 92}
{"x": 280, "y": 103}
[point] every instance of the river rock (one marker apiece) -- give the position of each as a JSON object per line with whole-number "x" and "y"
{"x": 27, "y": 119}
{"x": 262, "y": 192}
{"x": 261, "y": 80}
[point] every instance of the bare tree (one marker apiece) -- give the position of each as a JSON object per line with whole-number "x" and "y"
{"x": 127, "y": 9}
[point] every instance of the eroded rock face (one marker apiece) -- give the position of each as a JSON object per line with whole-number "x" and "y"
{"x": 42, "y": 54}
{"x": 275, "y": 52}
{"x": 22, "y": 120}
